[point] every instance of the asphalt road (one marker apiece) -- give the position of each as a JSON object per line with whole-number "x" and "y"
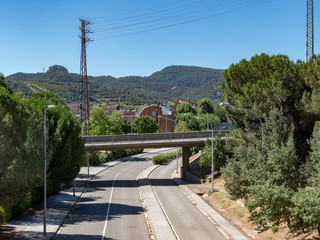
{"x": 186, "y": 219}
{"x": 111, "y": 207}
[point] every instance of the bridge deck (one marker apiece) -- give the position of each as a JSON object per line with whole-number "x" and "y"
{"x": 151, "y": 140}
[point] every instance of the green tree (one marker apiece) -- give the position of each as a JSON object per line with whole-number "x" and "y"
{"x": 308, "y": 105}
{"x": 119, "y": 124}
{"x": 264, "y": 83}
{"x": 187, "y": 122}
{"x": 21, "y": 151}
{"x": 312, "y": 169}
{"x": 4, "y": 84}
{"x": 307, "y": 208}
{"x": 253, "y": 168}
{"x": 145, "y": 124}
{"x": 65, "y": 147}
{"x": 204, "y": 125}
{"x": 206, "y": 105}
{"x": 185, "y": 107}
{"x": 270, "y": 203}
{"x": 100, "y": 122}
{"x": 220, "y": 111}
{"x": 219, "y": 154}
{"x": 103, "y": 124}
{"x": 2, "y": 81}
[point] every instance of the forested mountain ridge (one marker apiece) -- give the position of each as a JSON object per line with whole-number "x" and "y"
{"x": 171, "y": 82}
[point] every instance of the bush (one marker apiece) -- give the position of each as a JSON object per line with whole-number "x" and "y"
{"x": 96, "y": 158}
{"x": 4, "y": 215}
{"x": 20, "y": 208}
{"x": 163, "y": 158}
{"x": 274, "y": 228}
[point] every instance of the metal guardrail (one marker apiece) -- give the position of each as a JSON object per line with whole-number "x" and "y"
{"x": 150, "y": 137}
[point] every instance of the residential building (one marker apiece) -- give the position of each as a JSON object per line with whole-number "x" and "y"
{"x": 162, "y": 115}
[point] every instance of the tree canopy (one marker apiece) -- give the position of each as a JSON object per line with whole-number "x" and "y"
{"x": 185, "y": 107}
{"x": 21, "y": 149}
{"x": 206, "y": 105}
{"x": 145, "y": 124}
{"x": 275, "y": 177}
{"x": 103, "y": 124}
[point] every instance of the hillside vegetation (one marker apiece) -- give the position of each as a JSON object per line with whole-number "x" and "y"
{"x": 171, "y": 82}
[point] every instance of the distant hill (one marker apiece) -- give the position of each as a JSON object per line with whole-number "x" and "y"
{"x": 171, "y": 82}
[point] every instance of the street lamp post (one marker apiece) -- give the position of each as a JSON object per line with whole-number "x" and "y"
{"x": 131, "y": 128}
{"x": 212, "y": 159}
{"x": 177, "y": 155}
{"x": 45, "y": 171}
{"x": 226, "y": 104}
{"x": 207, "y": 116}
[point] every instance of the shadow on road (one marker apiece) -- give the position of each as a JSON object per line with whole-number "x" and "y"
{"x": 80, "y": 237}
{"x": 93, "y": 212}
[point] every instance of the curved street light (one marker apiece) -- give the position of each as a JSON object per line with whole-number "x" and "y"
{"x": 45, "y": 170}
{"x": 205, "y": 112}
{"x": 226, "y": 104}
{"x": 175, "y": 123}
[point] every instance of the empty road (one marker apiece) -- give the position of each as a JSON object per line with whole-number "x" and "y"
{"x": 111, "y": 207}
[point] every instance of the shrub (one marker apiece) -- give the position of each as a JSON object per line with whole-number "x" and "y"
{"x": 4, "y": 215}
{"x": 20, "y": 208}
{"x": 163, "y": 158}
{"x": 274, "y": 228}
{"x": 94, "y": 158}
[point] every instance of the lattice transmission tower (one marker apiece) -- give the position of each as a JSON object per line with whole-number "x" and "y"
{"x": 83, "y": 84}
{"x": 310, "y": 37}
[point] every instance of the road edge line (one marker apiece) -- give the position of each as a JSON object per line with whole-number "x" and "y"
{"x": 164, "y": 211}
{"x": 146, "y": 216}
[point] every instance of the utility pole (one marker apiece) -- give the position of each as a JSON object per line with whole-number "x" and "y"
{"x": 84, "y": 96}
{"x": 310, "y": 31}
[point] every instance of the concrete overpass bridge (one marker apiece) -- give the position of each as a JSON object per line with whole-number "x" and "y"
{"x": 152, "y": 140}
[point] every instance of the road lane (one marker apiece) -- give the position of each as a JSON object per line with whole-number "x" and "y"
{"x": 187, "y": 220}
{"x": 111, "y": 207}
{"x": 126, "y": 218}
{"x": 126, "y": 215}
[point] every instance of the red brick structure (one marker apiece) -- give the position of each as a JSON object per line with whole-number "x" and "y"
{"x": 163, "y": 116}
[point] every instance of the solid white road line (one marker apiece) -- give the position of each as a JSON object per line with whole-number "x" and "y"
{"x": 110, "y": 200}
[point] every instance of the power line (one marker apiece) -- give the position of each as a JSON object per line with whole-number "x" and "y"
{"x": 129, "y": 18}
{"x": 163, "y": 17}
{"x": 140, "y": 12}
{"x": 180, "y": 19}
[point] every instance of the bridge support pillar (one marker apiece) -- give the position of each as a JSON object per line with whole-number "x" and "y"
{"x": 185, "y": 162}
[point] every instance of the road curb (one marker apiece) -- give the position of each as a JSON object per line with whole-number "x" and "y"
{"x": 222, "y": 224}
{"x": 160, "y": 227}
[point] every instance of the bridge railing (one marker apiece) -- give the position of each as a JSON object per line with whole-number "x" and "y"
{"x": 149, "y": 137}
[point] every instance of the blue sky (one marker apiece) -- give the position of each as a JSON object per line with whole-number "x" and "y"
{"x": 37, "y": 34}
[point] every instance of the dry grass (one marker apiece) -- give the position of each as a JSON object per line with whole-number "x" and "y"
{"x": 239, "y": 216}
